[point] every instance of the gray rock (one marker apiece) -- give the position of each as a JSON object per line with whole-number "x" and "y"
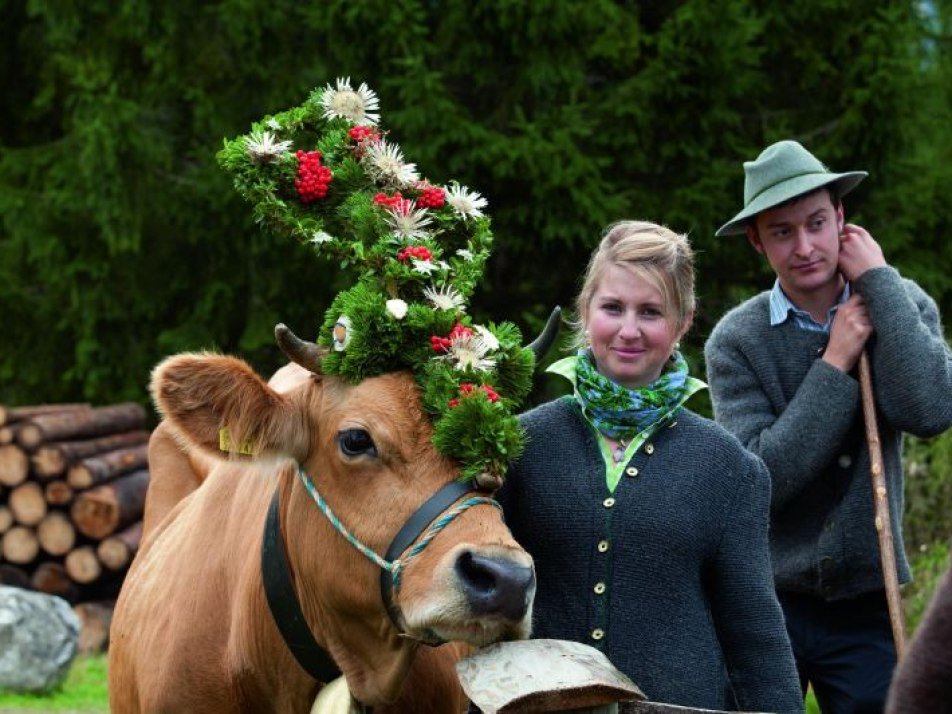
{"x": 39, "y": 636}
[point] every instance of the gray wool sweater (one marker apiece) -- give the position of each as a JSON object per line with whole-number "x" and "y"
{"x": 670, "y": 575}
{"x": 804, "y": 418}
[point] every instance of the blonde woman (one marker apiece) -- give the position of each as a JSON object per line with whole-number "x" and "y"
{"x": 647, "y": 522}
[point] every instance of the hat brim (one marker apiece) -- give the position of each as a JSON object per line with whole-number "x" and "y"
{"x": 787, "y": 190}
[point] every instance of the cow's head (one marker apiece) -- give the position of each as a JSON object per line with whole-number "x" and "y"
{"x": 367, "y": 450}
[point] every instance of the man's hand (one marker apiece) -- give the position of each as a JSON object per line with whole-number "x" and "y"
{"x": 858, "y": 252}
{"x": 851, "y": 328}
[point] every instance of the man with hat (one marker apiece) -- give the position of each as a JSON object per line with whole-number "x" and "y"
{"x": 782, "y": 372}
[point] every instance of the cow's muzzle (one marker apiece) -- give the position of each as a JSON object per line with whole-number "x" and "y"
{"x": 495, "y": 587}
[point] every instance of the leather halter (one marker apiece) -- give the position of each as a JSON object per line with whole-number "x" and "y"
{"x": 279, "y": 584}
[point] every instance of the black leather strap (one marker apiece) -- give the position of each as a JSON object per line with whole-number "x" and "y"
{"x": 412, "y": 529}
{"x": 283, "y": 602}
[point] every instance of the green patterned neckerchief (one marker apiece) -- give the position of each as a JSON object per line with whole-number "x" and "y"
{"x": 661, "y": 410}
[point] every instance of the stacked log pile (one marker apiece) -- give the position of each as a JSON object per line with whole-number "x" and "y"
{"x": 73, "y": 480}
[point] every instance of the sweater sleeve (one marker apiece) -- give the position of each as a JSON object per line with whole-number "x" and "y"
{"x": 744, "y": 605}
{"x": 923, "y": 679}
{"x": 911, "y": 361}
{"x": 798, "y": 443}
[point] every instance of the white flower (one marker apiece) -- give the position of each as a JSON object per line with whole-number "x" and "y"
{"x": 465, "y": 202}
{"x": 488, "y": 337}
{"x": 397, "y": 308}
{"x": 469, "y": 352}
{"x": 385, "y": 165}
{"x": 273, "y": 124}
{"x": 321, "y": 237}
{"x": 445, "y": 298}
{"x": 358, "y": 106}
{"x": 341, "y": 333}
{"x": 465, "y": 254}
{"x": 424, "y": 267}
{"x": 407, "y": 221}
{"x": 263, "y": 148}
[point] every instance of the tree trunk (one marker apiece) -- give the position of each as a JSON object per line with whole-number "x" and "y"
{"x": 20, "y": 545}
{"x": 51, "y": 577}
{"x": 8, "y": 415}
{"x": 14, "y": 576}
{"x": 56, "y": 533}
{"x": 82, "y": 564}
{"x": 80, "y": 423}
{"x": 117, "y": 551}
{"x": 54, "y": 458}
{"x": 58, "y": 493}
{"x": 101, "y": 511}
{"x": 99, "y": 469}
{"x": 27, "y": 503}
{"x": 6, "y": 519}
{"x": 94, "y": 619}
{"x": 14, "y": 465}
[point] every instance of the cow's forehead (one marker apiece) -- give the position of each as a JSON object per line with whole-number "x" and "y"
{"x": 392, "y": 397}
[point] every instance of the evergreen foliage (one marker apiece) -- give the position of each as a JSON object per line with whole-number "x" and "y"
{"x": 122, "y": 241}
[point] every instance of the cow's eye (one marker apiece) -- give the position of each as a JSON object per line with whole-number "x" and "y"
{"x": 354, "y": 442}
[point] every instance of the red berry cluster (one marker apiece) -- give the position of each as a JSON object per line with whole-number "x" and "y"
{"x": 466, "y": 389}
{"x": 382, "y": 199}
{"x": 431, "y": 197}
{"x": 442, "y": 344}
{"x": 363, "y": 133}
{"x": 396, "y": 203}
{"x": 414, "y": 251}
{"x": 313, "y": 177}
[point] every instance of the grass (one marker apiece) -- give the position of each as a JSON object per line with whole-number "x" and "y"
{"x": 83, "y": 692}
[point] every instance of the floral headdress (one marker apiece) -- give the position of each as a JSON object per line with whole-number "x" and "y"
{"x": 327, "y": 174}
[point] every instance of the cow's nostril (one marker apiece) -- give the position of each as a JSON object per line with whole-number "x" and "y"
{"x": 494, "y": 586}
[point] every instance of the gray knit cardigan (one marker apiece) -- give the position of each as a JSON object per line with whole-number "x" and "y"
{"x": 670, "y": 575}
{"x": 804, "y": 418}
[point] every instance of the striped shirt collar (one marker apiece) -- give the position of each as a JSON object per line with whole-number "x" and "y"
{"x": 782, "y": 309}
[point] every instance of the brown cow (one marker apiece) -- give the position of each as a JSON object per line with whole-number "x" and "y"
{"x": 192, "y": 630}
{"x": 176, "y": 470}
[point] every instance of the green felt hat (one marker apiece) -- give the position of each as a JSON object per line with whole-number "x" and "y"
{"x": 783, "y": 171}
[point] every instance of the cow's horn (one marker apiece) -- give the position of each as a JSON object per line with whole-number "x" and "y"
{"x": 541, "y": 344}
{"x": 306, "y": 354}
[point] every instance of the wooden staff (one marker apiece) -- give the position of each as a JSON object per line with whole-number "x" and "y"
{"x": 887, "y": 553}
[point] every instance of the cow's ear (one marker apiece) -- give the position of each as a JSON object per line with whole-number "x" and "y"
{"x": 218, "y": 402}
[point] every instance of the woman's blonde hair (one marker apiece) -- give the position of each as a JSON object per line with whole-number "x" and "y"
{"x": 652, "y": 251}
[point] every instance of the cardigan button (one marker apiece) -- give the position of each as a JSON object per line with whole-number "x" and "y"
{"x": 649, "y": 448}
{"x": 599, "y": 588}
{"x": 845, "y": 461}
{"x": 631, "y": 471}
{"x": 602, "y": 546}
{"x": 608, "y": 502}
{"x": 598, "y": 633}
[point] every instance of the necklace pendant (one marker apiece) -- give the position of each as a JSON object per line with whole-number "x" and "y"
{"x": 619, "y": 452}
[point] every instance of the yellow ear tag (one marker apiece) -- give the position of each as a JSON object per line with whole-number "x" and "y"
{"x": 224, "y": 443}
